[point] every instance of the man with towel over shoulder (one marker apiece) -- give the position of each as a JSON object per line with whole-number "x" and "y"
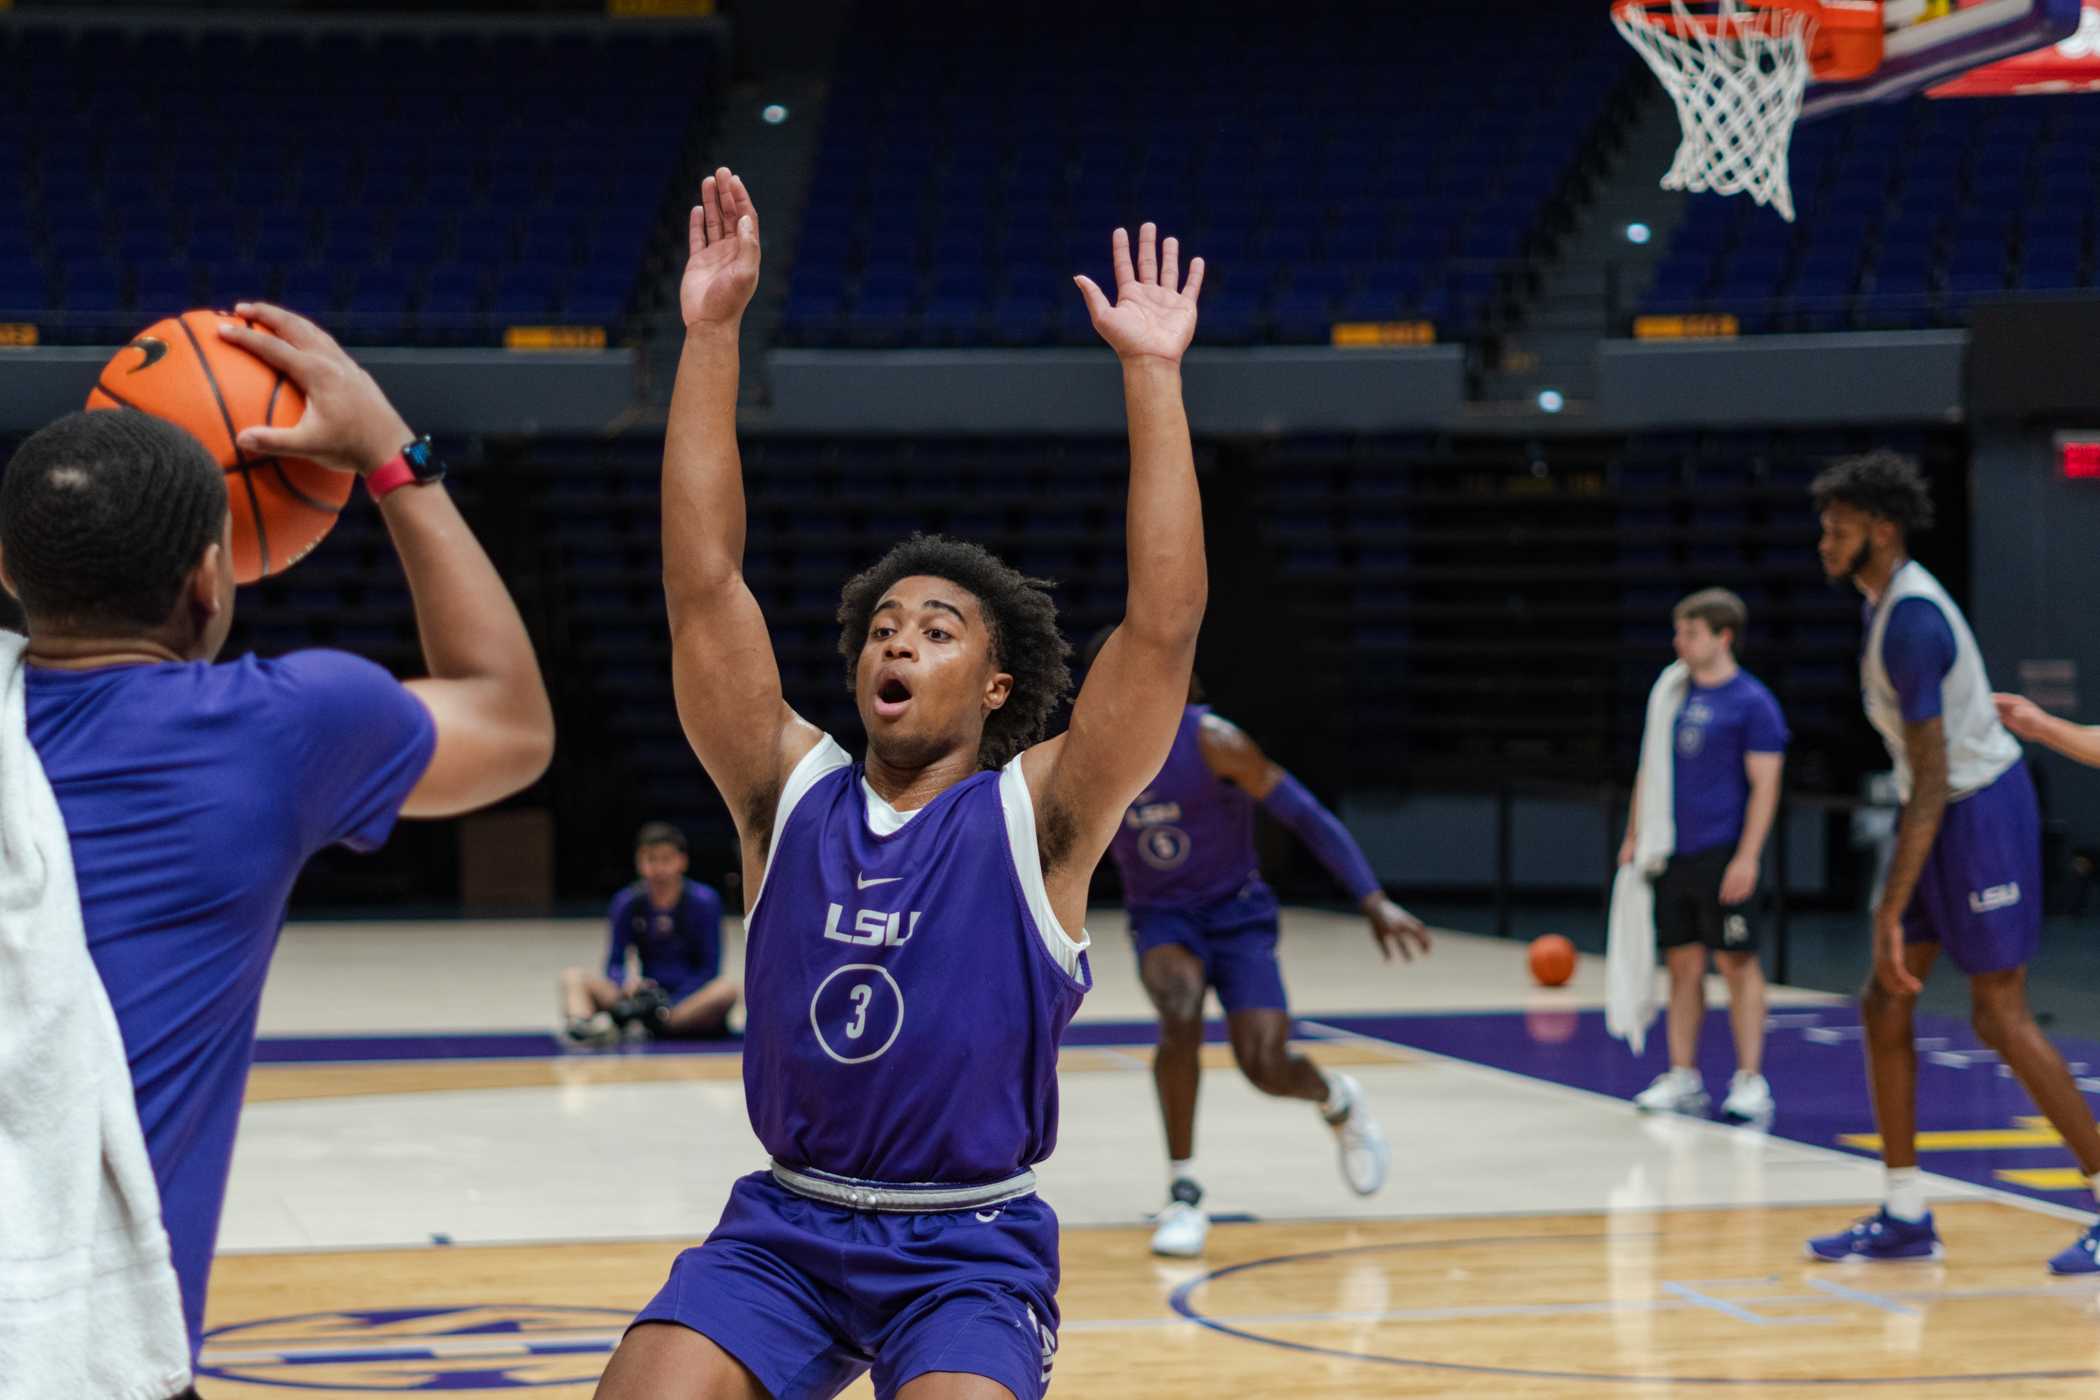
{"x": 155, "y": 809}
{"x": 1703, "y": 804}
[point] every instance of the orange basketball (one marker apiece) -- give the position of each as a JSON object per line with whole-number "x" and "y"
{"x": 1552, "y": 960}
{"x": 179, "y": 369}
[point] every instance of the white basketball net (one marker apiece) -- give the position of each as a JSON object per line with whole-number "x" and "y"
{"x": 1737, "y": 81}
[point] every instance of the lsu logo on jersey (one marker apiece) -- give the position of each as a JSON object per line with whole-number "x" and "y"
{"x": 871, "y": 928}
{"x": 1144, "y": 813}
{"x": 476, "y": 1348}
{"x": 1996, "y": 897}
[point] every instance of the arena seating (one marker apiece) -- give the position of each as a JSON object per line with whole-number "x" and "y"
{"x": 489, "y": 180}
{"x": 960, "y": 185}
{"x": 1484, "y": 604}
{"x": 1906, "y": 215}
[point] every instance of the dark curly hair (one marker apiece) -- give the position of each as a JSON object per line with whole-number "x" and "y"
{"x": 102, "y": 516}
{"x": 1883, "y": 483}
{"x": 1022, "y": 621}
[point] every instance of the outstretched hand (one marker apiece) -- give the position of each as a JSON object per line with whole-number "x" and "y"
{"x": 1394, "y": 930}
{"x": 2021, "y": 715}
{"x": 1153, "y": 315}
{"x": 721, "y": 268}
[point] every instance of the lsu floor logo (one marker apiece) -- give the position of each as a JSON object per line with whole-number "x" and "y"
{"x": 459, "y": 1350}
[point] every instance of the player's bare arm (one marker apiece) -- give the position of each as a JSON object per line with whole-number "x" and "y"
{"x": 2079, "y": 742}
{"x": 1926, "y": 745}
{"x": 1232, "y": 754}
{"x": 723, "y": 670}
{"x": 495, "y": 726}
{"x": 1739, "y": 882}
{"x": 1124, "y": 720}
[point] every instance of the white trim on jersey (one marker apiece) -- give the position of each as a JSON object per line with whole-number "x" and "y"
{"x": 1979, "y": 750}
{"x": 826, "y": 757}
{"x": 1019, "y": 806}
{"x": 883, "y": 819}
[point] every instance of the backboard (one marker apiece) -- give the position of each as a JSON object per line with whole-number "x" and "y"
{"x": 1930, "y": 42}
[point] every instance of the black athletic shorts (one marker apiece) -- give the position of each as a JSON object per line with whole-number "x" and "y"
{"x": 1688, "y": 906}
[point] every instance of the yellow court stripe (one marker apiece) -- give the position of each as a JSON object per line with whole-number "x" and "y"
{"x": 283, "y": 1082}
{"x": 2044, "y": 1178}
{"x": 1977, "y": 1140}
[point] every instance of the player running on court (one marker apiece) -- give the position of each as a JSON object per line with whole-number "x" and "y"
{"x": 1967, "y": 873}
{"x": 1202, "y": 917}
{"x": 916, "y": 941}
{"x": 192, "y": 793}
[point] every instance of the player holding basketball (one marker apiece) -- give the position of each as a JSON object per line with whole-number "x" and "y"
{"x": 1967, "y": 872}
{"x": 192, "y": 793}
{"x": 1202, "y": 917}
{"x": 911, "y": 958}
{"x": 1725, "y": 761}
{"x": 674, "y": 927}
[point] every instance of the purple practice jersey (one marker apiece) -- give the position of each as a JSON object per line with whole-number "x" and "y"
{"x": 1188, "y": 839}
{"x": 906, "y": 984}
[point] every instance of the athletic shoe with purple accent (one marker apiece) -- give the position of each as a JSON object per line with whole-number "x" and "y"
{"x": 1880, "y": 1238}
{"x": 2083, "y": 1257}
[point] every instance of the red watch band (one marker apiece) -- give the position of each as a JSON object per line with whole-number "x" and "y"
{"x": 390, "y": 478}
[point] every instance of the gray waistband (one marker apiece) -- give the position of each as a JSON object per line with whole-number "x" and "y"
{"x": 890, "y": 1196}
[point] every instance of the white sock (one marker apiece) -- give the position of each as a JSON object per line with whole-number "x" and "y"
{"x": 1905, "y": 1188}
{"x": 1337, "y": 1096}
{"x": 1183, "y": 1170}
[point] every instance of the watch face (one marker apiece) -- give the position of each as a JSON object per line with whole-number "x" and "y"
{"x": 422, "y": 461}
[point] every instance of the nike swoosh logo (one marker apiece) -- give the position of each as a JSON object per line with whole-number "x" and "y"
{"x": 152, "y": 347}
{"x": 862, "y": 882}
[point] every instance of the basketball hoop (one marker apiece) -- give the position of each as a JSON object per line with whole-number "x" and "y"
{"x": 1736, "y": 70}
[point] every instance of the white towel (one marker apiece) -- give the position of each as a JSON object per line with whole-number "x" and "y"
{"x": 1630, "y": 1000}
{"x": 89, "y": 1302}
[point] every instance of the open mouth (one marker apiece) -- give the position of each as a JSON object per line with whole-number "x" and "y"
{"x": 891, "y": 696}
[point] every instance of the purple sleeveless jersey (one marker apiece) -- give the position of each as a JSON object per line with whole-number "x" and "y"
{"x": 906, "y": 984}
{"x": 1188, "y": 840}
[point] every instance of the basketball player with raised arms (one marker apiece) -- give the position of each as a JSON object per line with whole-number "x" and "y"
{"x": 1202, "y": 917}
{"x": 1966, "y": 877}
{"x": 916, "y": 943}
{"x": 193, "y": 792}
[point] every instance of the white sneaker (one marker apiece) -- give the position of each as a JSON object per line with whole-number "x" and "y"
{"x": 1749, "y": 1100}
{"x": 591, "y": 1030}
{"x": 1183, "y": 1225}
{"x": 1675, "y": 1091}
{"x": 1361, "y": 1143}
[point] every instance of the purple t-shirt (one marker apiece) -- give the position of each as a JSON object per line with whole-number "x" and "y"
{"x": 1188, "y": 839}
{"x": 192, "y": 795}
{"x": 681, "y": 947}
{"x": 1716, "y": 728}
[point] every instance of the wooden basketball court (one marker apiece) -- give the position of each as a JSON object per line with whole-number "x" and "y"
{"x": 482, "y": 1223}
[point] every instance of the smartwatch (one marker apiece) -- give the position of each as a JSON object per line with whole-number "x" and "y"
{"x": 416, "y": 464}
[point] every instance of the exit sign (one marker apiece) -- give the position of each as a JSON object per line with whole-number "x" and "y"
{"x": 2078, "y": 458}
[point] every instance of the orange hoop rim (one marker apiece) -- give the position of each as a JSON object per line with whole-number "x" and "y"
{"x": 1768, "y": 15}
{"x": 1844, "y": 36}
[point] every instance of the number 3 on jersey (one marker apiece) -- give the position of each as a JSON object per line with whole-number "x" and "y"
{"x": 856, "y": 1013}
